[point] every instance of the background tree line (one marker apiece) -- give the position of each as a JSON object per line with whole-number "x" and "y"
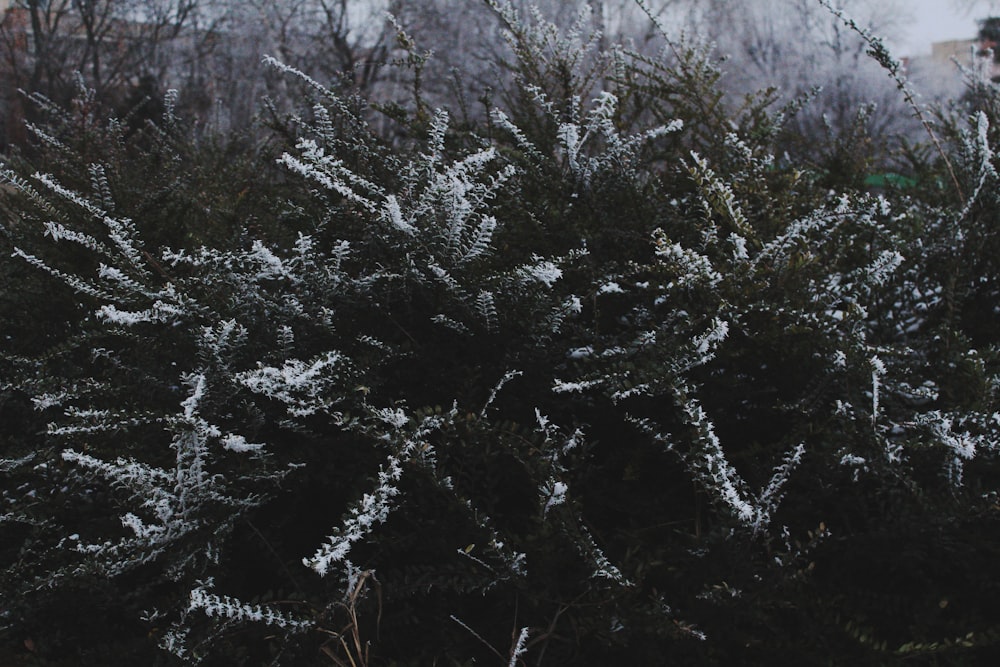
{"x": 132, "y": 51}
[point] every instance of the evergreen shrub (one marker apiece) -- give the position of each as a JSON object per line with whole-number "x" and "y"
{"x": 601, "y": 378}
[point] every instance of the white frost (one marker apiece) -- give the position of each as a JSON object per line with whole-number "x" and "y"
{"x": 545, "y": 272}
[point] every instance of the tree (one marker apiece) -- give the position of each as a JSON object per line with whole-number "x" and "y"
{"x": 106, "y": 40}
{"x": 118, "y": 46}
{"x": 798, "y": 45}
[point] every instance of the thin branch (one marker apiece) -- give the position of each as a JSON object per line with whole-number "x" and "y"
{"x": 878, "y": 51}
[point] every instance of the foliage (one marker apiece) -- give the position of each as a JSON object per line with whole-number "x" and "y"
{"x": 599, "y": 379}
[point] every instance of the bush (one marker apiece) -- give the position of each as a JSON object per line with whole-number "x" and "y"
{"x": 595, "y": 379}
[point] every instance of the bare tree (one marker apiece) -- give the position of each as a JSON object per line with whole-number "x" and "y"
{"x": 798, "y": 46}
{"x": 46, "y": 42}
{"x": 123, "y": 49}
{"x": 346, "y": 39}
{"x": 969, "y": 6}
{"x": 211, "y": 50}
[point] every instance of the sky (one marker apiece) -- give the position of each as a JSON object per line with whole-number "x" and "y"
{"x": 937, "y": 21}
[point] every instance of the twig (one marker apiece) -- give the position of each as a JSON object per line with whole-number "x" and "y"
{"x": 277, "y": 556}
{"x": 352, "y": 630}
{"x": 479, "y": 637}
{"x": 881, "y": 55}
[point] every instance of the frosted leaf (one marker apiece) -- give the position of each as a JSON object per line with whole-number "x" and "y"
{"x": 709, "y": 462}
{"x": 543, "y": 271}
{"x": 878, "y": 370}
{"x": 690, "y": 267}
{"x": 239, "y": 444}
{"x": 443, "y": 276}
{"x": 770, "y": 497}
{"x": 159, "y": 312}
{"x": 394, "y": 417}
{"x": 116, "y": 275}
{"x": 373, "y": 509}
{"x": 507, "y": 377}
{"x": 962, "y": 446}
{"x": 269, "y": 265}
{"x": 884, "y": 266}
{"x": 303, "y": 386}
{"x": 76, "y": 283}
{"x": 190, "y": 404}
{"x": 504, "y": 122}
{"x": 51, "y": 183}
{"x": 140, "y": 529}
{"x": 520, "y": 647}
{"x": 46, "y": 401}
{"x": 739, "y": 247}
{"x": 610, "y": 288}
{"x": 129, "y": 472}
{"x": 438, "y": 130}
{"x": 852, "y": 460}
{"x": 330, "y": 172}
{"x": 7, "y": 465}
{"x": 230, "y": 608}
{"x": 223, "y": 335}
{"x": 58, "y": 232}
{"x": 479, "y": 239}
{"x": 717, "y": 194}
{"x": 452, "y": 324}
{"x": 569, "y": 136}
{"x": 394, "y": 214}
{"x": 487, "y": 310}
{"x": 603, "y": 568}
{"x": 174, "y": 641}
{"x": 271, "y": 61}
{"x": 554, "y": 493}
{"x": 708, "y": 341}
{"x": 560, "y": 387}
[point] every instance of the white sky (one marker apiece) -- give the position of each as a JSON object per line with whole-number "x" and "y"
{"x": 937, "y": 21}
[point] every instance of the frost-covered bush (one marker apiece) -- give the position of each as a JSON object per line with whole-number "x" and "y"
{"x": 600, "y": 379}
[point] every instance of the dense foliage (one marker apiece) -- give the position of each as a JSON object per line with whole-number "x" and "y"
{"x": 599, "y": 376}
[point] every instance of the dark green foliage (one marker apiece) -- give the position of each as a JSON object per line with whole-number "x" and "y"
{"x": 989, "y": 35}
{"x": 598, "y": 366}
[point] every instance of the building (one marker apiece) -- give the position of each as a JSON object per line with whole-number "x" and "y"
{"x": 955, "y": 50}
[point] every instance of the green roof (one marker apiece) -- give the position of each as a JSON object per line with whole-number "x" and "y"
{"x": 889, "y": 180}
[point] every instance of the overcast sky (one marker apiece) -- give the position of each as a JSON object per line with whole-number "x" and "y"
{"x": 937, "y": 21}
